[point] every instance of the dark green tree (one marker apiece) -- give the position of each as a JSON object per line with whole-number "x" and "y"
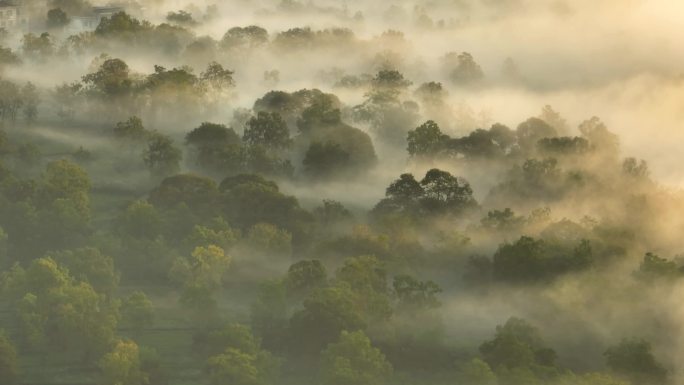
{"x": 353, "y": 360}
{"x": 633, "y": 359}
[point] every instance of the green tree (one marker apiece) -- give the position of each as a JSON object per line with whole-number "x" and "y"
{"x": 161, "y": 156}
{"x": 58, "y": 312}
{"x": 325, "y": 160}
{"x": 443, "y": 192}
{"x": 327, "y": 312}
{"x": 477, "y": 372}
{"x": 414, "y": 295}
{"x": 121, "y": 366}
{"x": 304, "y": 276}
{"x": 90, "y": 265}
{"x": 517, "y": 345}
{"x": 233, "y": 367}
{"x": 57, "y": 18}
{"x": 240, "y": 359}
{"x": 217, "y": 78}
{"x": 633, "y": 359}
{"x": 653, "y": 267}
{"x": 269, "y": 314}
{"x": 112, "y": 79}
{"x": 206, "y": 267}
{"x": 426, "y": 140}
{"x": 137, "y": 312}
{"x": 216, "y": 147}
{"x": 181, "y": 17}
{"x": 120, "y": 26}
{"x": 268, "y": 130}
{"x": 353, "y": 360}
{"x": 30, "y": 99}
{"x": 9, "y": 373}
{"x": 467, "y": 71}
{"x": 131, "y": 130}
{"x": 268, "y": 239}
{"x": 140, "y": 220}
{"x": 218, "y": 232}
{"x": 38, "y": 46}
{"x": 244, "y": 37}
{"x": 531, "y": 131}
{"x": 196, "y": 192}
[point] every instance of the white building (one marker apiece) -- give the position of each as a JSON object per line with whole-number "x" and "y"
{"x": 90, "y": 21}
{"x": 12, "y": 16}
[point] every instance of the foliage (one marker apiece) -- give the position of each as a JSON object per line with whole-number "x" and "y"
{"x": 353, "y": 360}
{"x": 632, "y": 358}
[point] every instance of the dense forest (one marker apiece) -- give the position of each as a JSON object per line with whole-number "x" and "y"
{"x": 468, "y": 192}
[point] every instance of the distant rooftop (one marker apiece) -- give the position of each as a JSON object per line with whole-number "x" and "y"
{"x": 7, "y": 3}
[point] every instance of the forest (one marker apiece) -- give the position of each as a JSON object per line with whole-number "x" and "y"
{"x": 325, "y": 192}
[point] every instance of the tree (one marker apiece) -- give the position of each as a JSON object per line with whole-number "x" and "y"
{"x": 58, "y": 312}
{"x": 269, "y": 240}
{"x": 112, "y": 79}
{"x": 66, "y": 183}
{"x": 269, "y": 314}
{"x": 205, "y": 267}
{"x": 38, "y": 46}
{"x": 321, "y": 114}
{"x": 120, "y": 26}
{"x": 8, "y": 362}
{"x": 121, "y": 366}
{"x": 390, "y": 79}
{"x": 237, "y": 358}
{"x": 216, "y": 147}
{"x": 244, "y": 37}
{"x": 218, "y": 232}
{"x": 531, "y": 131}
{"x": 304, "y": 276}
{"x": 414, "y": 295}
{"x": 536, "y": 260}
{"x": 181, "y": 17}
{"x": 405, "y": 189}
{"x": 554, "y": 119}
{"x": 477, "y": 372}
{"x": 600, "y": 137}
{"x": 633, "y": 359}
{"x": 90, "y": 265}
{"x": 200, "y": 276}
{"x": 131, "y": 130}
{"x": 196, "y": 192}
{"x": 445, "y": 192}
{"x": 467, "y": 71}
{"x": 30, "y": 98}
{"x": 233, "y": 367}
{"x": 367, "y": 277}
{"x": 140, "y": 220}
{"x": 57, "y": 18}
{"x": 653, "y": 267}
{"x": 8, "y": 58}
{"x": 137, "y": 312}
{"x": 634, "y": 168}
{"x": 11, "y": 100}
{"x": 426, "y": 140}
{"x": 517, "y": 345}
{"x": 212, "y": 134}
{"x": 268, "y": 130}
{"x": 217, "y": 78}
{"x": 326, "y": 160}
{"x": 353, "y": 360}
{"x": 161, "y": 156}
{"x": 327, "y": 312}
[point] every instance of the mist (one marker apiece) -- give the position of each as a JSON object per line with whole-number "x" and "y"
{"x": 471, "y": 192}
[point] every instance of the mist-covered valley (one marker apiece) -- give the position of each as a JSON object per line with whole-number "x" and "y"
{"x": 470, "y": 192}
